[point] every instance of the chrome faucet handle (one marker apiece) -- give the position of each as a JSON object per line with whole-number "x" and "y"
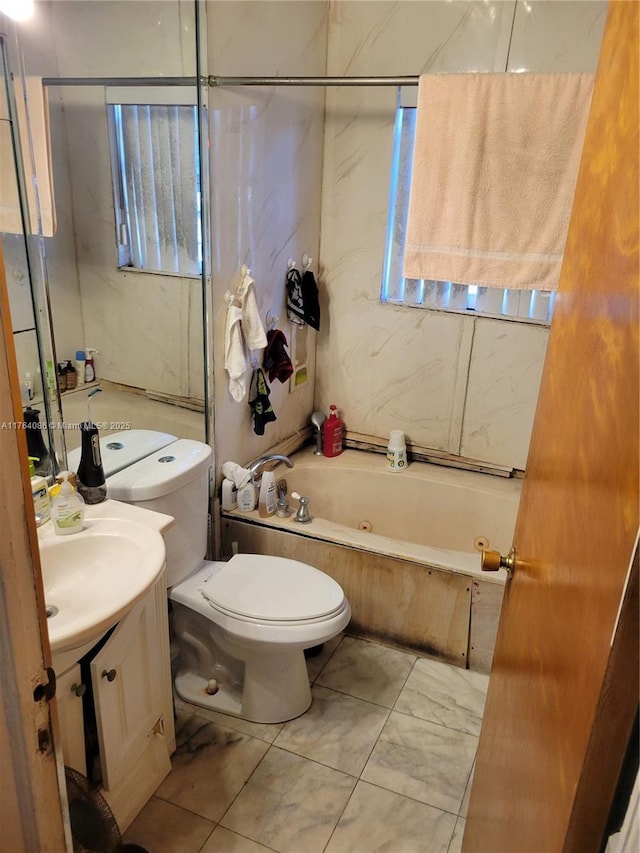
{"x": 302, "y": 515}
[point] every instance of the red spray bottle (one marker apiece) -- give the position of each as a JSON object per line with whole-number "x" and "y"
{"x": 332, "y": 430}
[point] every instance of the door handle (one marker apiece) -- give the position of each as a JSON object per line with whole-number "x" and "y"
{"x": 493, "y": 560}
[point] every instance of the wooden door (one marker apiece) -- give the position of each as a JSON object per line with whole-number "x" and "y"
{"x": 564, "y": 684}
{"x": 31, "y": 812}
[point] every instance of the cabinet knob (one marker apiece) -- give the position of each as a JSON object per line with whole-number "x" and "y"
{"x": 109, "y": 674}
{"x": 79, "y": 689}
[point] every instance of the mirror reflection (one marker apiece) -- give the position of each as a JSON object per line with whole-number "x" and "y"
{"x": 122, "y": 245}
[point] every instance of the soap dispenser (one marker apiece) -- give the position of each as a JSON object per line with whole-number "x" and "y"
{"x": 67, "y": 509}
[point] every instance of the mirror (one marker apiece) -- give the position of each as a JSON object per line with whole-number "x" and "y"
{"x": 146, "y": 327}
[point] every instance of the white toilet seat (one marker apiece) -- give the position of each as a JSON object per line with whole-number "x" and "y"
{"x": 264, "y": 588}
{"x": 301, "y": 632}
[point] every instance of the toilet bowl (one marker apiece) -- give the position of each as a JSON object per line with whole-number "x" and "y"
{"x": 241, "y": 626}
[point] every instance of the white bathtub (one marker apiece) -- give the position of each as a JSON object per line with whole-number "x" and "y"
{"x": 403, "y": 545}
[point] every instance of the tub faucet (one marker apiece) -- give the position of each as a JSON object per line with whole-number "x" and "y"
{"x": 317, "y": 419}
{"x": 257, "y": 466}
{"x": 302, "y": 515}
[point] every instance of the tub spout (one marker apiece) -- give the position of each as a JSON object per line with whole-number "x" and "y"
{"x": 259, "y": 464}
{"x": 317, "y": 419}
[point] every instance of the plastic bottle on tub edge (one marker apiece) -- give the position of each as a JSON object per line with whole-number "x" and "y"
{"x": 397, "y": 451}
{"x": 332, "y": 430}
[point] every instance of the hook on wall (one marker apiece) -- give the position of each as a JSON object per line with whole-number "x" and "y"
{"x": 272, "y": 320}
{"x": 291, "y": 264}
{"x": 306, "y": 261}
{"x": 244, "y": 270}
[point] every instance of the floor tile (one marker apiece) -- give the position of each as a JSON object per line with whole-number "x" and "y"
{"x": 210, "y": 766}
{"x": 368, "y": 671}
{"x": 445, "y": 694}
{"x": 376, "y": 819}
{"x": 456, "y": 841}
{"x": 162, "y": 827}
{"x": 224, "y": 841}
{"x": 316, "y": 663}
{"x": 337, "y": 730}
{"x": 428, "y": 762}
{"x": 262, "y": 731}
{"x": 290, "y": 804}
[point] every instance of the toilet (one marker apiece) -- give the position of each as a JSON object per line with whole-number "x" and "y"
{"x": 241, "y": 626}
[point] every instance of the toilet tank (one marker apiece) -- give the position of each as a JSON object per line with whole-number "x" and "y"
{"x": 174, "y": 481}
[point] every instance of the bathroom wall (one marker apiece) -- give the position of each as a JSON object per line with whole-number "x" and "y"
{"x": 148, "y": 328}
{"x": 266, "y": 166}
{"x": 462, "y": 385}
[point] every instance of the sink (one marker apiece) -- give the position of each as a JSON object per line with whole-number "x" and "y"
{"x": 93, "y": 578}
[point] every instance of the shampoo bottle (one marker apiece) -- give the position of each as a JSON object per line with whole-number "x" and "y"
{"x": 267, "y": 499}
{"x": 332, "y": 430}
{"x": 67, "y": 510}
{"x": 89, "y": 365}
{"x": 397, "y": 451}
{"x": 80, "y": 366}
{"x": 247, "y": 497}
{"x": 229, "y": 495}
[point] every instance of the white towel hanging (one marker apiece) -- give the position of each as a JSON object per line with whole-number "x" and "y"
{"x": 252, "y": 327}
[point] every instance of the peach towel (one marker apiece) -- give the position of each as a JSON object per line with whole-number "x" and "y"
{"x": 495, "y": 166}
{"x": 10, "y": 215}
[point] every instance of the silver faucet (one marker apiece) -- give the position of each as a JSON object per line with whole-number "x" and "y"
{"x": 317, "y": 419}
{"x": 259, "y": 463}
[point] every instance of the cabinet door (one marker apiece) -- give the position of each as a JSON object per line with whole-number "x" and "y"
{"x": 128, "y": 678}
{"x": 69, "y": 692}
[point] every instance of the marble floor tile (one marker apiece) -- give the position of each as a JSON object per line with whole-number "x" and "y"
{"x": 445, "y": 694}
{"x": 367, "y": 671}
{"x": 290, "y": 804}
{"x": 223, "y": 840}
{"x": 456, "y": 840}
{"x": 162, "y": 827}
{"x": 418, "y": 759}
{"x": 210, "y": 766}
{"x": 379, "y": 820}
{"x": 262, "y": 731}
{"x": 316, "y": 663}
{"x": 337, "y": 730}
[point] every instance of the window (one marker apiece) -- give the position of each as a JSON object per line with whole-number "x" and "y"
{"x": 529, "y": 305}
{"x": 156, "y": 178}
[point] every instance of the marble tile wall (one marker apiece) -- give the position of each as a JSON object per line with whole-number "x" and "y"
{"x": 458, "y": 384}
{"x": 266, "y": 165}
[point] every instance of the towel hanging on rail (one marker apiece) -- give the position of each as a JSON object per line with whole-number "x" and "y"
{"x": 495, "y": 165}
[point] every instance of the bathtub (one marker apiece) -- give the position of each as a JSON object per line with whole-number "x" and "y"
{"x": 404, "y": 546}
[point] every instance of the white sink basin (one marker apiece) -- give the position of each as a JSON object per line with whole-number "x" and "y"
{"x": 93, "y": 578}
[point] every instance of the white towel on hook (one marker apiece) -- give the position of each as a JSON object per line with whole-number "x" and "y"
{"x": 235, "y": 362}
{"x": 252, "y": 327}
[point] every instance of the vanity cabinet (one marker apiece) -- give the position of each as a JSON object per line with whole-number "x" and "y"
{"x": 69, "y": 693}
{"x": 131, "y": 685}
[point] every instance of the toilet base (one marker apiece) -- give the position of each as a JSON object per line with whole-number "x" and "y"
{"x": 276, "y": 689}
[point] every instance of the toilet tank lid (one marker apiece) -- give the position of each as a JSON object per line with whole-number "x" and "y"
{"x": 121, "y": 449}
{"x": 163, "y": 472}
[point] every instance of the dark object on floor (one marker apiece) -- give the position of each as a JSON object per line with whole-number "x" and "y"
{"x": 93, "y": 826}
{"x": 313, "y": 651}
